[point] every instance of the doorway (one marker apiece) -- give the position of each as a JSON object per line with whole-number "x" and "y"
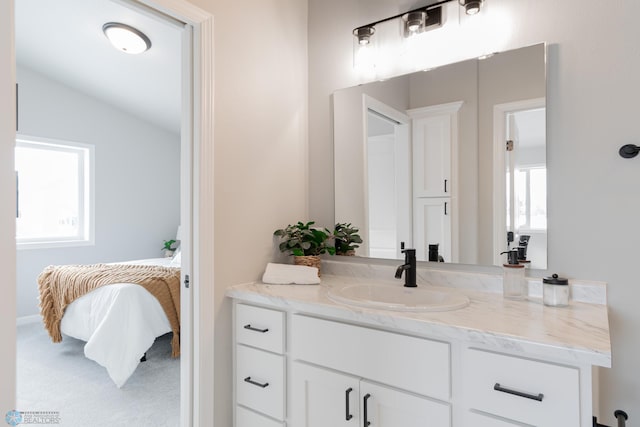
{"x": 388, "y": 180}
{"x": 196, "y": 355}
{"x": 520, "y": 198}
{"x": 132, "y": 212}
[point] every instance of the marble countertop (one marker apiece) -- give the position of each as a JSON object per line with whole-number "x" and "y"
{"x": 577, "y": 334}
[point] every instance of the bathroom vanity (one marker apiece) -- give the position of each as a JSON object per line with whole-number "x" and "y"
{"x": 303, "y": 360}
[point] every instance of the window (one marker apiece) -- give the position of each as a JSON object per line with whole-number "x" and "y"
{"x": 531, "y": 198}
{"x": 55, "y": 193}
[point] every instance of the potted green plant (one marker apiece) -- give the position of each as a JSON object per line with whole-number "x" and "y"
{"x": 346, "y": 238}
{"x": 305, "y": 242}
{"x": 168, "y": 248}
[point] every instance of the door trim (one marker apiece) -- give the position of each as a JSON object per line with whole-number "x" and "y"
{"x": 197, "y": 388}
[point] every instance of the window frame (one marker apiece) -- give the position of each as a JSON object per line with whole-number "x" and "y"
{"x": 86, "y": 174}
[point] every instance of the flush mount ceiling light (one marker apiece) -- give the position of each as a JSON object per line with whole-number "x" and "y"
{"x": 363, "y": 34}
{"x": 126, "y": 38}
{"x": 471, "y": 7}
{"x": 414, "y": 22}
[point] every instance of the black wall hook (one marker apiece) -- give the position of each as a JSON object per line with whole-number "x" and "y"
{"x": 629, "y": 151}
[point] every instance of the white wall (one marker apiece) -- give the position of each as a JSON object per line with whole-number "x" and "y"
{"x": 137, "y": 174}
{"x": 593, "y": 93}
{"x": 260, "y": 154}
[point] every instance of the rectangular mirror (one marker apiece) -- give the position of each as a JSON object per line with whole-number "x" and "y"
{"x": 451, "y": 161}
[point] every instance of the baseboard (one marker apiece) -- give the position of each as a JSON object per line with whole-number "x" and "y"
{"x": 27, "y": 320}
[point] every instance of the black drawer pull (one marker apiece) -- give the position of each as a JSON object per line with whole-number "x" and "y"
{"x": 366, "y": 423}
{"x": 251, "y": 328}
{"x": 347, "y": 415}
{"x": 537, "y": 397}
{"x": 250, "y": 381}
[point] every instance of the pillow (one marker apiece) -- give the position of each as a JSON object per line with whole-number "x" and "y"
{"x": 176, "y": 261}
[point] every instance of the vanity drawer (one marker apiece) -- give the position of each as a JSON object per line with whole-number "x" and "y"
{"x": 527, "y": 391}
{"x": 247, "y": 418}
{"x": 260, "y": 327}
{"x": 414, "y": 364}
{"x": 260, "y": 381}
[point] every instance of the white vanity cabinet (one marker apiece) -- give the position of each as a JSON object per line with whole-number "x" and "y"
{"x": 260, "y": 380}
{"x": 523, "y": 390}
{"x": 384, "y": 378}
{"x": 302, "y": 361}
{"x": 321, "y": 397}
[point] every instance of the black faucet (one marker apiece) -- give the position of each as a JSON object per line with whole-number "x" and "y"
{"x": 410, "y": 267}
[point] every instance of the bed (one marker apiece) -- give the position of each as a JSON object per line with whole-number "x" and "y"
{"x": 119, "y": 321}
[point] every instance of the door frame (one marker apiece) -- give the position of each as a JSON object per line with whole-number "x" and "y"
{"x": 403, "y": 164}
{"x": 500, "y": 112}
{"x": 197, "y": 355}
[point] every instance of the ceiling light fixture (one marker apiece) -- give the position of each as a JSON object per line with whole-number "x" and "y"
{"x": 471, "y": 7}
{"x": 126, "y": 38}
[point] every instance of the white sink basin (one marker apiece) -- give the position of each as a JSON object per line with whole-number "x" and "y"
{"x": 397, "y": 298}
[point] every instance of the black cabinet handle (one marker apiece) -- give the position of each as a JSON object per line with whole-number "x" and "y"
{"x": 366, "y": 422}
{"x": 445, "y": 208}
{"x": 251, "y": 328}
{"x": 347, "y": 415}
{"x": 538, "y": 397}
{"x": 250, "y": 381}
{"x": 445, "y": 185}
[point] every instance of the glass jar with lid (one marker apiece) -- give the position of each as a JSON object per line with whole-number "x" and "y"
{"x": 555, "y": 291}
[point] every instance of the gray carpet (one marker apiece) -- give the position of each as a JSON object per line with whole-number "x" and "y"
{"x": 57, "y": 377}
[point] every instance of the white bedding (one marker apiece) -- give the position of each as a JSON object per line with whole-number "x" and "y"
{"x": 119, "y": 323}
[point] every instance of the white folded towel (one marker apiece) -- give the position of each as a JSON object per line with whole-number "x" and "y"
{"x": 287, "y": 274}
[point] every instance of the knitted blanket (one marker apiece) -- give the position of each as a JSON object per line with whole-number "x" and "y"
{"x": 60, "y": 285}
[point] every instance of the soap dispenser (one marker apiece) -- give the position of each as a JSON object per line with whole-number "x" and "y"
{"x": 513, "y": 281}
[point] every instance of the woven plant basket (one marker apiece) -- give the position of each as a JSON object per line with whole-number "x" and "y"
{"x": 309, "y": 261}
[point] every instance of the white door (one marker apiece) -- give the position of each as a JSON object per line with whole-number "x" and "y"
{"x": 432, "y": 156}
{"x": 387, "y": 407}
{"x": 435, "y": 170}
{"x": 323, "y": 398}
{"x": 432, "y": 226}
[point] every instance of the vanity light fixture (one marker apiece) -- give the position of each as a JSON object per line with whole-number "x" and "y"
{"x": 126, "y": 38}
{"x": 363, "y": 34}
{"x": 414, "y": 22}
{"x": 471, "y": 7}
{"x": 425, "y": 18}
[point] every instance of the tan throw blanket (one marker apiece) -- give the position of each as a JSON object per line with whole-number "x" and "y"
{"x": 60, "y": 285}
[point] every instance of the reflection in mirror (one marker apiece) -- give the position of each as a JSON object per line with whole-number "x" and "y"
{"x": 424, "y": 159}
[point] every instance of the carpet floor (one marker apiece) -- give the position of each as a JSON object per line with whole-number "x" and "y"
{"x": 59, "y": 378}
